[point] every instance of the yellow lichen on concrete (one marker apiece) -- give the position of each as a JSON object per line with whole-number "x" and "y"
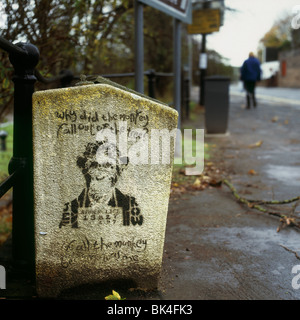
{"x": 74, "y": 96}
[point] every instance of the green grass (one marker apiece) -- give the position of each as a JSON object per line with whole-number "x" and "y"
{"x": 5, "y": 156}
{"x": 195, "y": 118}
{"x": 178, "y": 175}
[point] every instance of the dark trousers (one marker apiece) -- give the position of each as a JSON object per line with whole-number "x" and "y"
{"x": 250, "y": 89}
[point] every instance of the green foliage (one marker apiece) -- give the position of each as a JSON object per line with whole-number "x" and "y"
{"x": 87, "y": 37}
{"x": 76, "y": 35}
{"x": 281, "y": 34}
{"x": 5, "y": 156}
{"x": 6, "y": 86}
{"x": 91, "y": 37}
{"x": 216, "y": 64}
{"x": 179, "y": 177}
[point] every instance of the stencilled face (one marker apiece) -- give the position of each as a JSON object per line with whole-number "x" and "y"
{"x": 105, "y": 171}
{"x": 102, "y": 180}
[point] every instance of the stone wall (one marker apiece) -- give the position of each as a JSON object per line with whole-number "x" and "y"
{"x": 289, "y": 74}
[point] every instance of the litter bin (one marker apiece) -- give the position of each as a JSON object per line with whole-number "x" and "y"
{"x": 216, "y": 104}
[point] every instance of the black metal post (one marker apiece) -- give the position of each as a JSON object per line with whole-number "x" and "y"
{"x": 67, "y": 77}
{"x": 151, "y": 83}
{"x": 202, "y": 72}
{"x": 187, "y": 97}
{"x": 139, "y": 45}
{"x": 3, "y": 135}
{"x": 23, "y": 223}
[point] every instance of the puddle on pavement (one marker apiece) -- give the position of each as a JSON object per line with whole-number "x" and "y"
{"x": 289, "y": 175}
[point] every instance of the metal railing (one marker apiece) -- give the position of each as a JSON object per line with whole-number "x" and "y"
{"x": 24, "y": 57}
{"x": 152, "y": 76}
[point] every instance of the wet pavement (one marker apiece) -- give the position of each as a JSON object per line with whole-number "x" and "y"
{"x": 215, "y": 247}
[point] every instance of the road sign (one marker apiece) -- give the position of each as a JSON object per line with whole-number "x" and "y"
{"x": 205, "y": 21}
{"x": 179, "y": 9}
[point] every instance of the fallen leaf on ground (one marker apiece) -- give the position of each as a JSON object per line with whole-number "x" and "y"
{"x": 197, "y": 182}
{"x": 275, "y": 119}
{"x": 252, "y": 172}
{"x": 256, "y": 144}
{"x": 290, "y": 221}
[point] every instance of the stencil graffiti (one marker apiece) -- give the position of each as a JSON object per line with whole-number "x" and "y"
{"x": 100, "y": 194}
{"x": 93, "y": 250}
{"x": 92, "y": 122}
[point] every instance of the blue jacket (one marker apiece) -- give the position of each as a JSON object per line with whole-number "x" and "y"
{"x": 250, "y": 70}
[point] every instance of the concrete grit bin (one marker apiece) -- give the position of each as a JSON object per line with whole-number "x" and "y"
{"x": 100, "y": 214}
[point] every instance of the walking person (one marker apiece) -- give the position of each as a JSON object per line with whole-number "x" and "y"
{"x": 250, "y": 74}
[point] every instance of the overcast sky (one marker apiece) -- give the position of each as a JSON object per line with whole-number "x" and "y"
{"x": 243, "y": 29}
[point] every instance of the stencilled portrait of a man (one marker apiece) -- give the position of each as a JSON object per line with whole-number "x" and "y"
{"x": 100, "y": 193}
